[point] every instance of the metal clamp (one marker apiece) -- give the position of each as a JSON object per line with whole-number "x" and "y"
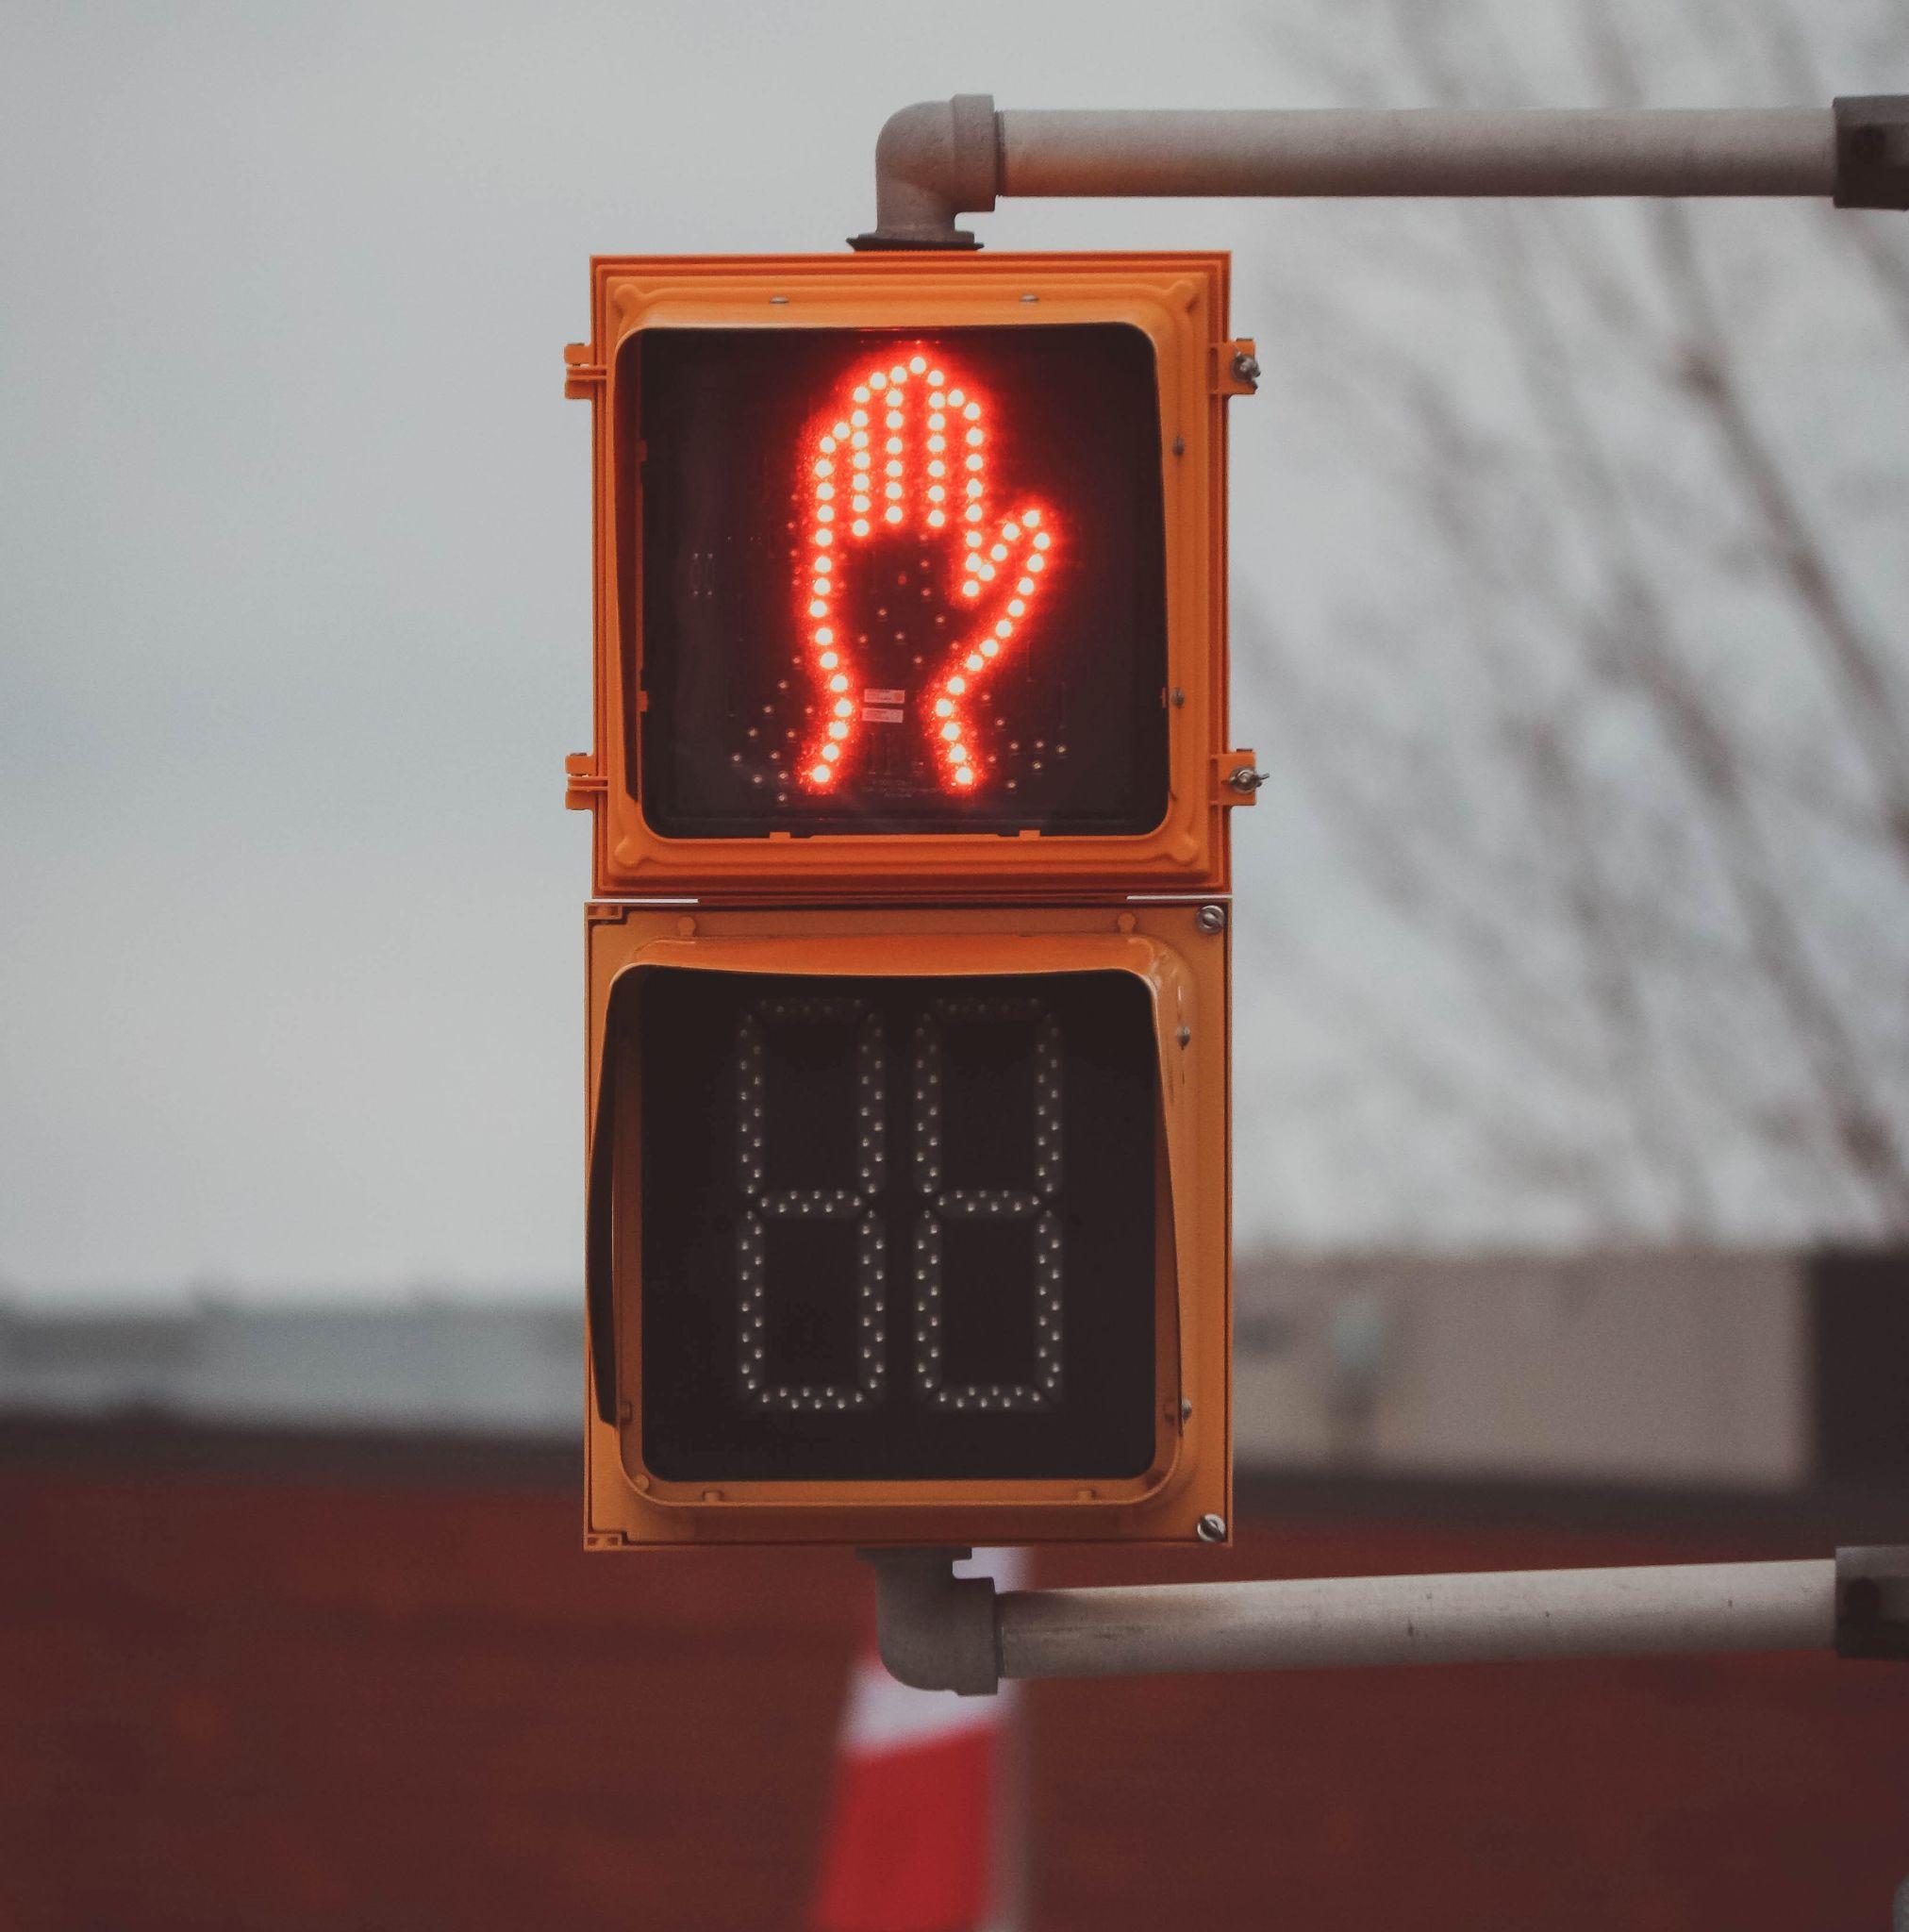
{"x": 1872, "y": 1602}
{"x": 1873, "y": 151}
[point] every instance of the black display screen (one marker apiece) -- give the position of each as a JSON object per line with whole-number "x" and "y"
{"x": 896, "y": 1228}
{"x": 896, "y": 582}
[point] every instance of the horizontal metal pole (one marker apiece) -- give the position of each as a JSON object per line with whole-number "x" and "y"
{"x": 938, "y": 159}
{"x": 1418, "y": 1619}
{"x": 1417, "y": 152}
{"x": 940, "y": 1632}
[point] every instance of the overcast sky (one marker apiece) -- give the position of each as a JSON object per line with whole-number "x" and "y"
{"x": 294, "y": 580}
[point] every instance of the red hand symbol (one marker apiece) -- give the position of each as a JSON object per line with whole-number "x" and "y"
{"x": 867, "y": 484}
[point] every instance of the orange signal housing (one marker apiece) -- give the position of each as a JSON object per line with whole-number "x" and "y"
{"x": 1179, "y": 303}
{"x": 1183, "y": 963}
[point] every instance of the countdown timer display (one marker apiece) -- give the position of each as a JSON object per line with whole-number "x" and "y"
{"x": 896, "y": 1228}
{"x": 899, "y": 581}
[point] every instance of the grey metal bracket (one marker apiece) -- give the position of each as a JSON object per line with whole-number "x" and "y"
{"x": 1873, "y": 151}
{"x": 1872, "y": 1602}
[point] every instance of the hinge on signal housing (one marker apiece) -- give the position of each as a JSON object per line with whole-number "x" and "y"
{"x": 581, "y": 376}
{"x": 583, "y": 784}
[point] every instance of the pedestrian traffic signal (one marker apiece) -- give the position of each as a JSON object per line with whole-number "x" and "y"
{"x": 908, "y": 990}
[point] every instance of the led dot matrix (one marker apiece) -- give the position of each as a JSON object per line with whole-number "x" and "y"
{"x": 871, "y": 473}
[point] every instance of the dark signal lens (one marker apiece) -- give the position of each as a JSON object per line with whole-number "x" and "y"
{"x": 897, "y": 582}
{"x": 896, "y": 1229}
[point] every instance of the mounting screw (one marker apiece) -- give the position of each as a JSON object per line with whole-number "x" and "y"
{"x": 1186, "y": 1408}
{"x": 1186, "y": 1036}
{"x": 1179, "y": 697}
{"x": 1246, "y": 367}
{"x": 1211, "y": 1530}
{"x": 1245, "y": 778}
{"x": 1211, "y": 918}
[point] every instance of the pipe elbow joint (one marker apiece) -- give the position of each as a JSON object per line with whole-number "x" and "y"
{"x": 933, "y": 161}
{"x": 936, "y": 1632}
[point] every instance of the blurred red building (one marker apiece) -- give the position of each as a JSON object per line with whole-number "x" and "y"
{"x": 356, "y": 1682}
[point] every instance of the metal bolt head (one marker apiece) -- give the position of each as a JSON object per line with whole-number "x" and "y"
{"x": 1211, "y": 918}
{"x": 1186, "y": 1408}
{"x": 1246, "y": 778}
{"x": 1186, "y": 1036}
{"x": 1246, "y": 367}
{"x": 1211, "y": 1530}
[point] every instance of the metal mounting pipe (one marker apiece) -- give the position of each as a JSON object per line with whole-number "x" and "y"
{"x": 939, "y": 1632}
{"x": 941, "y": 158}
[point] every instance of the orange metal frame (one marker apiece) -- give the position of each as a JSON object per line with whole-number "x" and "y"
{"x": 1180, "y": 303}
{"x": 1185, "y": 968}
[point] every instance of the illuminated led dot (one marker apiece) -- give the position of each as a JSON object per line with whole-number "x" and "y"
{"x": 971, "y": 464}
{"x": 862, "y": 459}
{"x": 892, "y": 469}
{"x": 999, "y": 551}
{"x": 894, "y": 445}
{"x": 861, "y": 396}
{"x": 950, "y": 732}
{"x": 895, "y": 419}
{"x": 957, "y": 398}
{"x": 1010, "y": 531}
{"x": 936, "y": 493}
{"x": 820, "y": 775}
{"x": 840, "y": 430}
{"x": 820, "y": 587}
{"x": 898, "y": 374}
{"x": 825, "y": 515}
{"x": 825, "y": 492}
{"x": 879, "y": 380}
{"x": 826, "y": 446}
{"x": 829, "y": 659}
{"x": 972, "y": 412}
{"x": 937, "y": 518}
{"x": 1036, "y": 563}
{"x": 818, "y": 606}
{"x": 938, "y": 443}
{"x": 1030, "y": 517}
{"x": 837, "y": 729}
{"x": 823, "y": 565}
{"x": 964, "y": 774}
{"x": 892, "y": 491}
{"x": 825, "y": 468}
{"x": 957, "y": 754}
{"x": 824, "y": 537}
{"x": 974, "y": 438}
{"x": 917, "y": 364}
{"x": 971, "y": 589}
{"x": 957, "y": 685}
{"x": 973, "y": 660}
{"x": 860, "y": 526}
{"x": 937, "y": 468}
{"x": 825, "y": 635}
{"x": 972, "y": 513}
{"x": 831, "y": 751}
{"x": 974, "y": 489}
{"x": 1041, "y": 540}
{"x": 944, "y": 707}
{"x": 1003, "y": 630}
{"x": 990, "y": 648}
{"x": 986, "y": 572}
{"x": 892, "y": 515}
{"x": 938, "y": 421}
{"x": 838, "y": 682}
{"x": 1025, "y": 587}
{"x": 936, "y": 399}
